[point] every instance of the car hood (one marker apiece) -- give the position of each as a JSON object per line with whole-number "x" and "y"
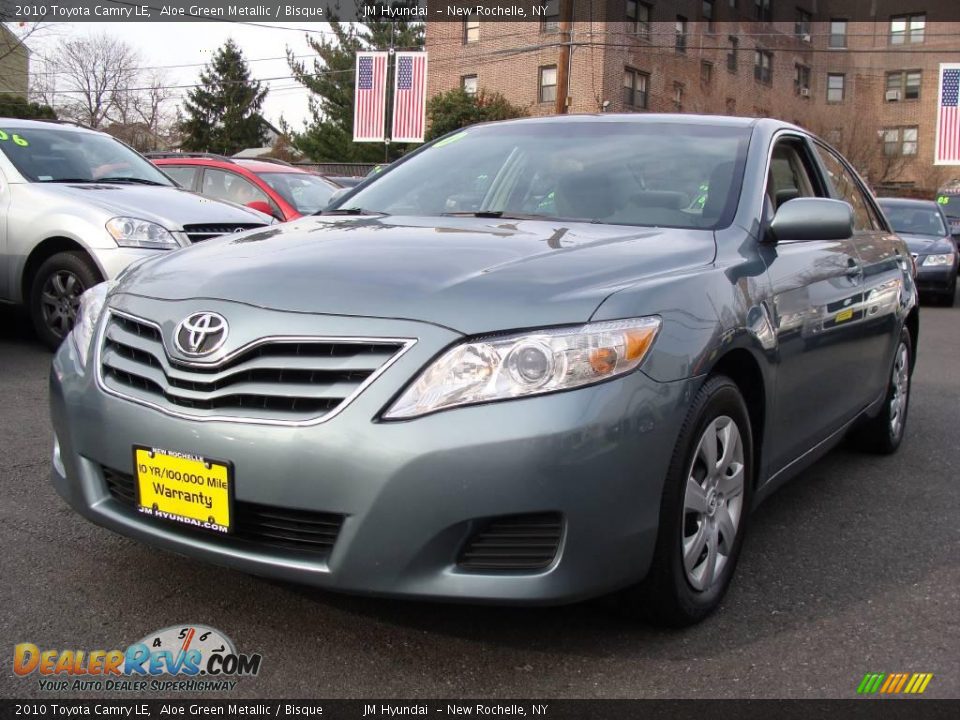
{"x": 925, "y": 244}
{"x": 472, "y": 275}
{"x": 169, "y": 206}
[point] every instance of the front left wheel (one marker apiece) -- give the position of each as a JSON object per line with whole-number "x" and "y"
{"x": 703, "y": 510}
{"x": 55, "y": 294}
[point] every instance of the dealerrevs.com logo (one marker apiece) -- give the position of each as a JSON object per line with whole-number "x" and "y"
{"x": 179, "y": 658}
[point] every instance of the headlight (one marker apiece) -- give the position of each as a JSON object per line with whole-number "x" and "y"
{"x": 502, "y": 367}
{"x": 92, "y": 303}
{"x": 133, "y": 232}
{"x": 937, "y": 260}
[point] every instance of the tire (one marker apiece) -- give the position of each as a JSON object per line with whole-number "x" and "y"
{"x": 55, "y": 294}
{"x": 679, "y": 592}
{"x": 880, "y": 434}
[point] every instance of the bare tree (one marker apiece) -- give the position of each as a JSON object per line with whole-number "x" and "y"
{"x": 93, "y": 74}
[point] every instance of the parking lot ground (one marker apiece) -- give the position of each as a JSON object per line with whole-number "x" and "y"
{"x": 852, "y": 568}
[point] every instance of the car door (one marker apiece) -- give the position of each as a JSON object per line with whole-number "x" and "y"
{"x": 816, "y": 287}
{"x": 885, "y": 261}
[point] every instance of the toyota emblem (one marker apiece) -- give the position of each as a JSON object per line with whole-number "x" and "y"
{"x": 201, "y": 333}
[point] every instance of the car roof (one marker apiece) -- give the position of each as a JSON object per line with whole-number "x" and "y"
{"x": 65, "y": 125}
{"x": 646, "y": 118}
{"x": 254, "y": 166}
{"x": 908, "y": 202}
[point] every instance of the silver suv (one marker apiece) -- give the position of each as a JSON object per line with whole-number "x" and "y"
{"x": 77, "y": 207}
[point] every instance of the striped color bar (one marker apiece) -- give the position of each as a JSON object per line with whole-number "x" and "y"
{"x": 894, "y": 683}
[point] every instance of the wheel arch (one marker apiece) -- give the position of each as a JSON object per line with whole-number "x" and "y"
{"x": 41, "y": 253}
{"x": 743, "y": 368}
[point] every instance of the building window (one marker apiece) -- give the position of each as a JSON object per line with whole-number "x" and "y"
{"x": 551, "y": 16}
{"x": 471, "y": 31}
{"x": 903, "y": 85}
{"x": 548, "y": 83}
{"x": 681, "y": 30}
{"x": 836, "y": 87}
{"x": 762, "y": 10}
{"x": 731, "y": 106}
{"x": 706, "y": 72}
{"x": 732, "y": 54}
{"x": 835, "y": 136}
{"x": 635, "y": 89}
{"x": 638, "y": 18}
{"x": 801, "y": 80}
{"x": 763, "y": 66}
{"x": 907, "y": 29}
{"x": 469, "y": 84}
{"x": 801, "y": 27}
{"x": 678, "y": 96}
{"x": 838, "y": 34}
{"x": 899, "y": 141}
{"x": 707, "y": 13}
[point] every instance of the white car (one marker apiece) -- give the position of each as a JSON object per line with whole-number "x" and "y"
{"x": 77, "y": 206}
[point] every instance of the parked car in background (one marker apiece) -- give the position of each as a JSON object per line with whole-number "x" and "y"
{"x": 522, "y": 365}
{"x": 271, "y": 186}
{"x": 948, "y": 198}
{"x": 77, "y": 207}
{"x": 924, "y": 226}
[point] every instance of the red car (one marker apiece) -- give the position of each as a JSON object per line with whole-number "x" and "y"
{"x": 270, "y": 186}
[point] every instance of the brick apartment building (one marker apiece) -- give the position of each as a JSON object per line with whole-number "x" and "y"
{"x": 868, "y": 86}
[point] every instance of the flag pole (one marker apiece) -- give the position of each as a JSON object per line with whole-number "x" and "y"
{"x": 389, "y": 92}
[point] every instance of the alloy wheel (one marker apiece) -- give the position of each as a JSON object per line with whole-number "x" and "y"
{"x": 60, "y": 300}
{"x": 900, "y": 382}
{"x": 713, "y": 503}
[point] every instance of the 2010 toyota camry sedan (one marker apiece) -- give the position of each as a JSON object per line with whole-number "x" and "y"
{"x": 533, "y": 362}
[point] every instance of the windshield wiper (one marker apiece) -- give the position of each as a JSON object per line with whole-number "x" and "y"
{"x": 500, "y": 214}
{"x": 67, "y": 180}
{"x": 349, "y": 211}
{"x": 133, "y": 180}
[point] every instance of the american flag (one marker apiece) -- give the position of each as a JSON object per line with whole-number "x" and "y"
{"x": 948, "y": 122}
{"x": 410, "y": 97}
{"x": 370, "y": 97}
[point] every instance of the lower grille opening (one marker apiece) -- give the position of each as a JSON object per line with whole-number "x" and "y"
{"x": 514, "y": 542}
{"x": 264, "y": 525}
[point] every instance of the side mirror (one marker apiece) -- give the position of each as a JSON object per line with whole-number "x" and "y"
{"x": 264, "y": 207}
{"x": 812, "y": 219}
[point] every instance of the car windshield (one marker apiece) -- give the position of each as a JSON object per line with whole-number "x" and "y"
{"x": 950, "y": 204}
{"x": 684, "y": 175}
{"x": 59, "y": 155}
{"x": 915, "y": 220}
{"x": 307, "y": 193}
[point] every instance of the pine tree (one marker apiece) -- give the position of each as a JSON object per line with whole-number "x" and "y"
{"x": 223, "y": 112}
{"x": 328, "y": 137}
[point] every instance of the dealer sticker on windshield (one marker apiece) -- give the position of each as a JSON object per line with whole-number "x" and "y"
{"x": 184, "y": 488}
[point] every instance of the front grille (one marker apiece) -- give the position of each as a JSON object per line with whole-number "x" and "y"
{"x": 199, "y": 233}
{"x": 514, "y": 542}
{"x": 276, "y": 381}
{"x": 264, "y": 525}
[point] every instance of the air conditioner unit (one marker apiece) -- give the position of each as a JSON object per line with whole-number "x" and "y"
{"x": 805, "y": 92}
{"x": 893, "y": 95}
{"x": 806, "y": 37}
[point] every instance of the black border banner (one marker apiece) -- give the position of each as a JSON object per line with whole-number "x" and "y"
{"x": 858, "y": 709}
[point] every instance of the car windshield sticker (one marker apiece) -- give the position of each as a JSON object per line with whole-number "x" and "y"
{"x": 451, "y": 139}
{"x": 16, "y": 139}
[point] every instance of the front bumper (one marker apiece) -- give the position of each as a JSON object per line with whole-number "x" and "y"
{"x": 936, "y": 280}
{"x": 412, "y": 492}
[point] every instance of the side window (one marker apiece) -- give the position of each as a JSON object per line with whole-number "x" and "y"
{"x": 182, "y": 175}
{"x": 231, "y": 187}
{"x": 789, "y": 177}
{"x": 847, "y": 188}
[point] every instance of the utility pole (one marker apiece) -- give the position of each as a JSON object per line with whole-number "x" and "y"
{"x": 563, "y": 64}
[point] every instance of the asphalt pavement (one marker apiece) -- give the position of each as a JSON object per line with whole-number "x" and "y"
{"x": 854, "y": 567}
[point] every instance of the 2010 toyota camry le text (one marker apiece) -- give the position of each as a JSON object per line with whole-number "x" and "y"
{"x": 532, "y": 362}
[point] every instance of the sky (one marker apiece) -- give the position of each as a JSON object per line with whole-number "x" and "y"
{"x": 194, "y": 43}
